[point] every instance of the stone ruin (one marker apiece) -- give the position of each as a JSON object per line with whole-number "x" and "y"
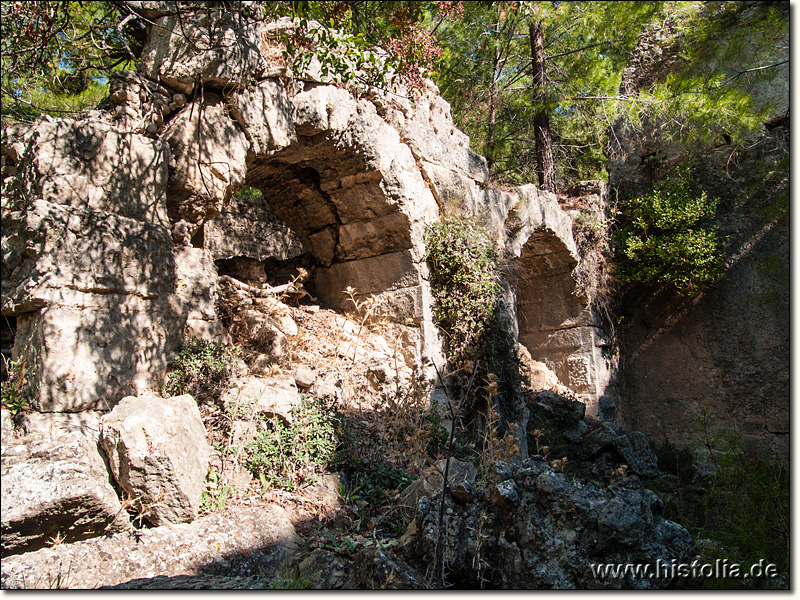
{"x": 118, "y": 225}
{"x": 114, "y": 225}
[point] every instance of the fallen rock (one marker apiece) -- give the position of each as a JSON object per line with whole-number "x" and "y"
{"x": 248, "y": 542}
{"x": 536, "y": 375}
{"x": 323, "y": 570}
{"x": 330, "y": 386}
{"x": 598, "y": 439}
{"x": 506, "y": 493}
{"x": 305, "y": 376}
{"x": 272, "y": 396}
{"x": 551, "y": 533}
{"x": 635, "y": 450}
{"x": 460, "y": 479}
{"x": 55, "y": 486}
{"x": 261, "y": 366}
{"x": 266, "y": 335}
{"x": 564, "y": 411}
{"x": 158, "y": 454}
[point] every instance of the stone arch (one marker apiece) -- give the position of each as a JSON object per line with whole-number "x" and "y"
{"x": 340, "y": 182}
{"x": 556, "y": 324}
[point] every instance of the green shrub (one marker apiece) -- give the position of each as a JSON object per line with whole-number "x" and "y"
{"x": 669, "y": 241}
{"x": 744, "y": 512}
{"x": 463, "y": 281}
{"x": 14, "y": 396}
{"x": 202, "y": 369}
{"x": 216, "y": 493}
{"x": 747, "y": 508}
{"x": 286, "y": 456}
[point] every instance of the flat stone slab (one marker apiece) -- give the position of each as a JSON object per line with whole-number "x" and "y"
{"x": 235, "y": 544}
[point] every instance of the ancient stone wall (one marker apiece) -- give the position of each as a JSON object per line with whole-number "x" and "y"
{"x": 113, "y": 222}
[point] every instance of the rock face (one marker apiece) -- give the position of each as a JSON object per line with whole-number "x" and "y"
{"x": 92, "y": 293}
{"x": 55, "y": 484}
{"x": 226, "y": 50}
{"x": 350, "y": 180}
{"x": 91, "y": 164}
{"x": 158, "y": 453}
{"x": 726, "y": 351}
{"x": 112, "y": 225}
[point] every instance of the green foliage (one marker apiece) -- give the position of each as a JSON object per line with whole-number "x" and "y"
{"x": 372, "y": 479}
{"x": 203, "y": 369}
{"x": 720, "y": 62}
{"x": 57, "y": 55}
{"x": 744, "y": 511}
{"x": 463, "y": 281}
{"x": 485, "y": 71}
{"x": 379, "y": 482}
{"x": 216, "y": 494}
{"x": 287, "y": 455}
{"x": 747, "y": 507}
{"x": 15, "y": 397}
{"x": 291, "y": 577}
{"x": 438, "y": 434}
{"x": 668, "y": 240}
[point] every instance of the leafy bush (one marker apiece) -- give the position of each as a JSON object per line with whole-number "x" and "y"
{"x": 286, "y": 456}
{"x": 669, "y": 241}
{"x": 14, "y": 395}
{"x": 202, "y": 369}
{"x": 463, "y": 281}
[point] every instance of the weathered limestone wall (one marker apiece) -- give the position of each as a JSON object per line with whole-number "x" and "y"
{"x": 556, "y": 322}
{"x": 114, "y": 226}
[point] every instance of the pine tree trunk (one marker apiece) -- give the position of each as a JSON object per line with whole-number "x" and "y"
{"x": 492, "y": 129}
{"x": 545, "y": 167}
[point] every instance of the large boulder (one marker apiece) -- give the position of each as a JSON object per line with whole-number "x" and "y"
{"x": 220, "y": 48}
{"x": 251, "y": 541}
{"x": 158, "y": 453}
{"x": 548, "y": 532}
{"x": 55, "y": 484}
